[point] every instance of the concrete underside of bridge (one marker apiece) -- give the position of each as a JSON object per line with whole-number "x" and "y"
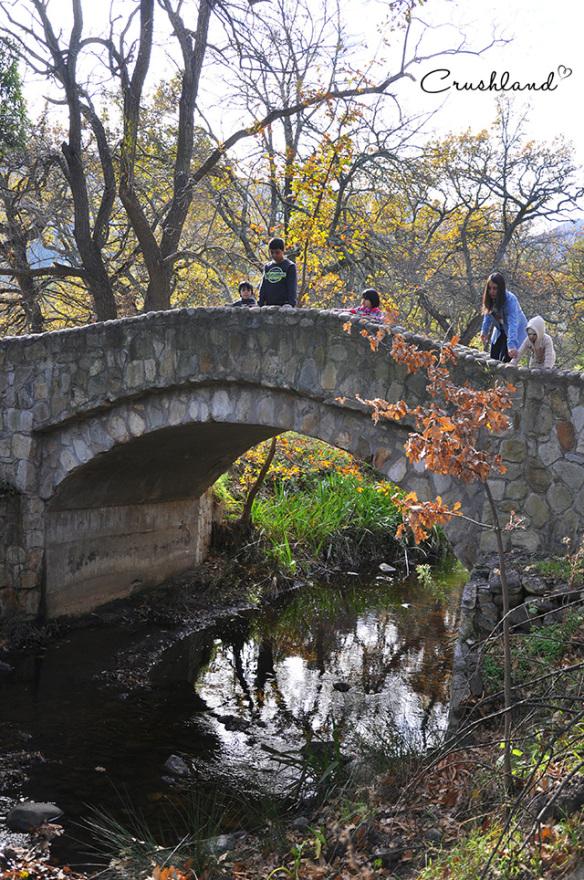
{"x": 136, "y": 515}
{"x": 96, "y": 555}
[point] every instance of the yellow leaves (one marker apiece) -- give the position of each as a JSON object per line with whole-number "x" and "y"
{"x": 446, "y": 424}
{"x": 297, "y": 458}
{"x": 347, "y": 326}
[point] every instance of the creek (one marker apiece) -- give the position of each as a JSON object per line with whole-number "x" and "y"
{"x": 358, "y": 667}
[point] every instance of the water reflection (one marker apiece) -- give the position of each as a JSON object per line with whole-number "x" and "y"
{"x": 353, "y": 660}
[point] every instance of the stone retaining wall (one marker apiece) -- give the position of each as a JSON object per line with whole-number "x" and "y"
{"x": 535, "y": 601}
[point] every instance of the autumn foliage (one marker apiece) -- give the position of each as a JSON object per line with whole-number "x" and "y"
{"x": 447, "y": 431}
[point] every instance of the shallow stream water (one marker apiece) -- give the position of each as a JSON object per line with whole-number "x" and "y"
{"x": 359, "y": 667}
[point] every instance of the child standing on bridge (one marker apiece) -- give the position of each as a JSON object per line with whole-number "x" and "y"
{"x": 369, "y": 307}
{"x": 247, "y": 299}
{"x": 538, "y": 345}
{"x": 278, "y": 287}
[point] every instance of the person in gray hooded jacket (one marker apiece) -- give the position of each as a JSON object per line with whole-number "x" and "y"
{"x": 538, "y": 345}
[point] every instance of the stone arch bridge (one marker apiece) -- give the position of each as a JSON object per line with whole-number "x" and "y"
{"x": 111, "y": 434}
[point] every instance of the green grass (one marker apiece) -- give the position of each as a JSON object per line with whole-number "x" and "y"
{"x": 546, "y": 645}
{"x": 467, "y": 860}
{"x": 558, "y": 568}
{"x": 307, "y": 522}
{"x": 133, "y": 846}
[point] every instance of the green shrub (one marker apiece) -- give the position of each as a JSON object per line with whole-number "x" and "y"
{"x": 306, "y": 522}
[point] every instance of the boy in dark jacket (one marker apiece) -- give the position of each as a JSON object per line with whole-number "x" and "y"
{"x": 246, "y": 296}
{"x": 278, "y": 287}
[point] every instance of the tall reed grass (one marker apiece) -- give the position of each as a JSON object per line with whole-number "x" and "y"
{"x": 309, "y": 522}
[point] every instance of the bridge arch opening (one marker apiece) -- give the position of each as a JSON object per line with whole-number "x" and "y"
{"x": 126, "y": 489}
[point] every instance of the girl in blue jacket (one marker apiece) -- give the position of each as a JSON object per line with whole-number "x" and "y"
{"x": 504, "y": 324}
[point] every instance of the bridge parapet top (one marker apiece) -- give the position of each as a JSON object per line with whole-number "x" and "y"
{"x": 29, "y": 348}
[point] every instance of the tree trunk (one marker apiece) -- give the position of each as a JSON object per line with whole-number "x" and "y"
{"x": 245, "y": 518}
{"x": 97, "y": 277}
{"x": 159, "y": 289}
{"x": 16, "y": 256}
{"x": 471, "y": 330}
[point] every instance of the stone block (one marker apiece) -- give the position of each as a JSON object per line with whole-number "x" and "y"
{"x": 266, "y": 411}
{"x": 538, "y": 606}
{"x": 538, "y": 477}
{"x": 513, "y": 580}
{"x": 519, "y": 618}
{"x": 21, "y": 445}
{"x": 118, "y": 429}
{"x": 82, "y": 451}
{"x": 484, "y": 624}
{"x": 537, "y": 418}
{"x": 513, "y": 450}
{"x": 554, "y": 617}
{"x": 135, "y": 374}
{"x": 328, "y": 379}
{"x": 559, "y": 404}
{"x": 309, "y": 423}
{"x": 513, "y": 472}
{"x": 497, "y": 488}
{"x": 550, "y": 451}
{"x": 166, "y": 366}
{"x": 566, "y": 435}
{"x": 177, "y": 408}
{"x": 308, "y": 376}
{"x": 68, "y": 460}
{"x": 526, "y": 539}
{"x": 381, "y": 456}
{"x": 516, "y": 490}
{"x": 96, "y": 366}
{"x": 537, "y": 510}
{"x": 565, "y": 525}
{"x": 571, "y": 473}
{"x": 150, "y": 366}
{"x": 24, "y": 817}
{"x": 443, "y": 483}
{"x": 559, "y": 497}
{"x": 578, "y": 419}
{"x": 534, "y": 585}
{"x": 534, "y": 390}
{"x": 136, "y": 424}
{"x": 29, "y": 580}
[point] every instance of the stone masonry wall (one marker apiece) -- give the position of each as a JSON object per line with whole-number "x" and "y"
{"x": 535, "y": 601}
{"x": 186, "y": 391}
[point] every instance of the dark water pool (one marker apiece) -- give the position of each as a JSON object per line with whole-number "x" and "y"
{"x": 363, "y": 665}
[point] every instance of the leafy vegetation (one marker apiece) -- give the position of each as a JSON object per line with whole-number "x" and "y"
{"x": 545, "y": 854}
{"x": 333, "y": 168}
{"x": 569, "y": 568}
{"x": 313, "y": 523}
{"x": 317, "y": 505}
{"x": 542, "y": 646}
